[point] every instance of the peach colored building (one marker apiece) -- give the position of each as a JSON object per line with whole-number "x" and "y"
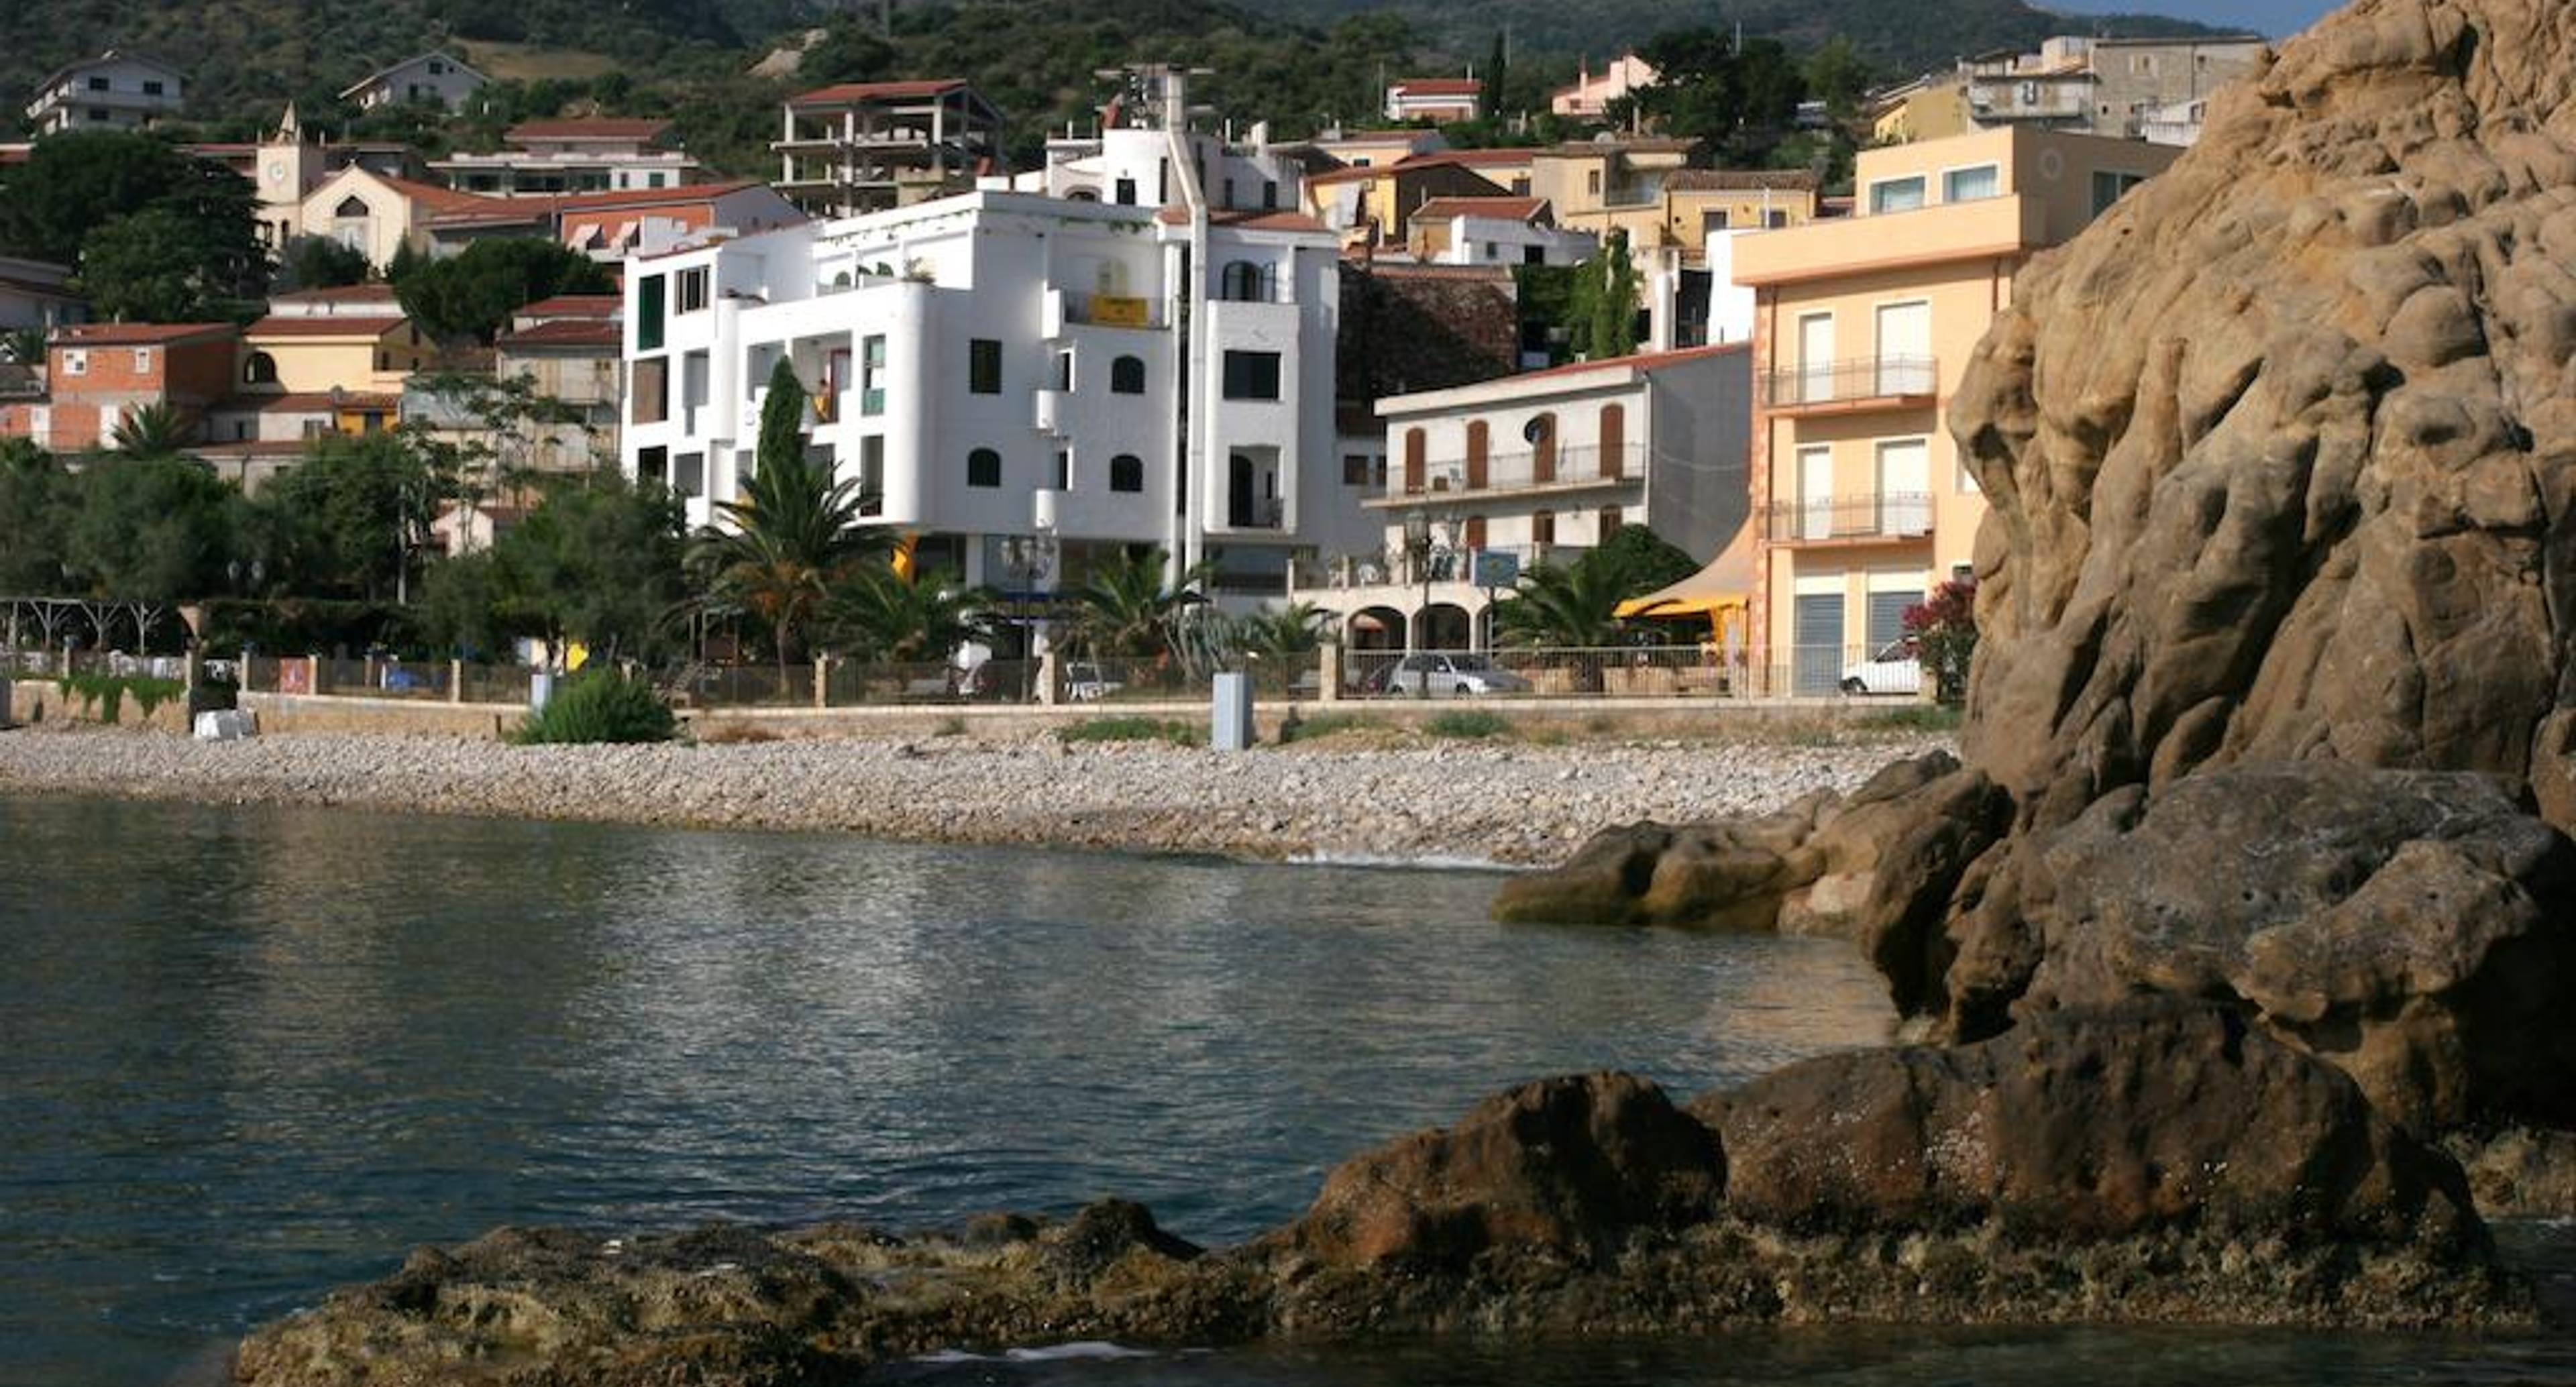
{"x": 1861, "y": 328}
{"x": 1590, "y": 96}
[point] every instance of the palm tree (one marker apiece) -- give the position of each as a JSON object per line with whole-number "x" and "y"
{"x": 878, "y": 614}
{"x": 1296, "y": 629}
{"x": 1126, "y": 609}
{"x": 794, "y": 533}
{"x": 151, "y": 431}
{"x": 1572, "y": 607}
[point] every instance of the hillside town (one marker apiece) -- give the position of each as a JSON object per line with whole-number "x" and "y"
{"x": 1427, "y": 403}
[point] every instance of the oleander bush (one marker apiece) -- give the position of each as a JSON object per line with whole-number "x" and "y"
{"x": 600, "y": 706}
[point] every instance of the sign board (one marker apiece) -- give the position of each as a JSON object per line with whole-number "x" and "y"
{"x": 1111, "y": 310}
{"x": 1497, "y": 568}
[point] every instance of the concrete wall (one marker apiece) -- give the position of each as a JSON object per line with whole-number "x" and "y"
{"x": 41, "y": 701}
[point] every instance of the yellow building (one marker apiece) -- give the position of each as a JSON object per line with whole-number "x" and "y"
{"x": 1647, "y": 189}
{"x": 1375, "y": 203}
{"x": 1861, "y": 327}
{"x": 354, "y": 339}
{"x": 1927, "y": 108}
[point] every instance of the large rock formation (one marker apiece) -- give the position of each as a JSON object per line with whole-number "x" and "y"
{"x": 1893, "y": 1186}
{"x": 2281, "y": 455}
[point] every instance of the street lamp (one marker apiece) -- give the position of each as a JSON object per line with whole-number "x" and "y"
{"x": 1417, "y": 551}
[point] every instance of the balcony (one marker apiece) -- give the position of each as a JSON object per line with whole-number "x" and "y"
{"x": 1529, "y": 472}
{"x": 1108, "y": 310}
{"x": 1926, "y": 235}
{"x": 1836, "y": 387}
{"x": 1871, "y": 518}
{"x": 1048, "y": 415}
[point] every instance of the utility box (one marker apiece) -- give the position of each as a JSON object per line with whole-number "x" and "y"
{"x": 541, "y": 686}
{"x": 5, "y": 693}
{"x": 1230, "y": 722}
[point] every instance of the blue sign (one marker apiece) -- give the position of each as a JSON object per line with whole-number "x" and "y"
{"x": 1497, "y": 568}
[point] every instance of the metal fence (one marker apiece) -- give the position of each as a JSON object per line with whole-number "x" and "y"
{"x": 1667, "y": 671}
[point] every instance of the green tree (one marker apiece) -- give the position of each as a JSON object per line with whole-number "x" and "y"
{"x": 598, "y": 562}
{"x": 1570, "y": 606}
{"x": 35, "y": 507}
{"x": 156, "y": 430}
{"x": 794, "y": 535}
{"x": 352, "y": 513}
{"x": 151, "y": 528}
{"x": 1603, "y": 303}
{"x": 76, "y": 182}
{"x": 878, "y": 614}
{"x": 319, "y": 262}
{"x": 1838, "y": 76}
{"x": 1296, "y": 629}
{"x": 1489, "y": 97}
{"x": 470, "y": 296}
{"x": 1635, "y": 561}
{"x": 1944, "y": 629}
{"x": 466, "y": 605}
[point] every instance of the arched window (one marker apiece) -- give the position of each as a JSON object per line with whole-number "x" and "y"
{"x": 260, "y": 369}
{"x": 1243, "y": 282}
{"x": 352, "y": 207}
{"x": 983, "y": 468}
{"x": 1127, "y": 376}
{"x": 1127, "y": 473}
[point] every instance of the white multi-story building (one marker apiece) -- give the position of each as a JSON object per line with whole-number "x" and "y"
{"x": 435, "y": 78}
{"x": 1131, "y": 165}
{"x": 591, "y": 155}
{"x": 113, "y": 91}
{"x": 1495, "y": 231}
{"x": 1000, "y": 365}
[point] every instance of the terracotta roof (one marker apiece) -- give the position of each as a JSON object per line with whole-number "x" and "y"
{"x": 573, "y": 332}
{"x": 136, "y": 334}
{"x": 1517, "y": 209}
{"x": 1415, "y": 269}
{"x": 1470, "y": 159}
{"x": 441, "y": 201}
{"x": 1436, "y": 86}
{"x": 1748, "y": 180}
{"x": 622, "y": 129}
{"x": 649, "y": 197}
{"x": 330, "y": 325}
{"x": 340, "y": 293}
{"x": 1652, "y": 144}
{"x": 308, "y": 402}
{"x": 877, "y": 91}
{"x": 1643, "y": 361}
{"x": 574, "y": 306}
{"x": 1244, "y": 220}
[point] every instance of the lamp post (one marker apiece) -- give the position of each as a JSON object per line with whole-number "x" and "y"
{"x": 1417, "y": 550}
{"x": 1027, "y": 557}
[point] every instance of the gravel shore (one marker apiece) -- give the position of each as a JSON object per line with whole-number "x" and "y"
{"x": 1469, "y": 802}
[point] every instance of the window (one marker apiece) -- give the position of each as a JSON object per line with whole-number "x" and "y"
{"x": 1064, "y": 370}
{"x": 1592, "y": 182}
{"x": 99, "y": 114}
{"x": 152, "y": 89}
{"x": 76, "y": 363}
{"x": 1125, "y": 194}
{"x": 1776, "y": 218}
{"x": 693, "y": 290}
{"x": 1521, "y": 186}
{"x": 1896, "y": 194}
{"x": 1127, "y": 376}
{"x": 1543, "y": 527}
{"x": 2109, "y": 186}
{"x": 872, "y": 475}
{"x": 689, "y": 474}
{"x": 1610, "y": 521}
{"x": 984, "y": 365}
{"x": 98, "y": 84}
{"x": 437, "y": 68}
{"x": 1242, "y": 281}
{"x": 984, "y": 468}
{"x": 652, "y": 390}
{"x": 260, "y": 369}
{"x": 1969, "y": 185}
{"x": 1063, "y": 470}
{"x": 1269, "y": 194}
{"x": 653, "y": 180}
{"x": 1355, "y": 469}
{"x": 143, "y": 361}
{"x": 872, "y": 371}
{"x": 1252, "y": 375}
{"x": 1127, "y": 473}
{"x": 1229, "y": 193}
{"x": 648, "y": 313}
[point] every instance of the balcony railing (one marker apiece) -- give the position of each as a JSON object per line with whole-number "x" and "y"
{"x": 1878, "y": 515}
{"x": 1846, "y": 382}
{"x": 1440, "y": 564}
{"x": 1113, "y": 310}
{"x": 1517, "y": 471}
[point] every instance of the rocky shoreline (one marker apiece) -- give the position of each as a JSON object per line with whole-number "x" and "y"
{"x": 1500, "y": 802}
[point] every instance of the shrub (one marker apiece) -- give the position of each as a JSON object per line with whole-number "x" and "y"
{"x": 1944, "y": 629}
{"x": 1468, "y": 722}
{"x": 108, "y": 692}
{"x": 1323, "y": 725}
{"x": 1130, "y": 729}
{"x": 600, "y": 707}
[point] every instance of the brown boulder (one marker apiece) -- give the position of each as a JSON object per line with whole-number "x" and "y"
{"x": 2415, "y": 927}
{"x": 2087, "y": 1125}
{"x": 1565, "y": 1166}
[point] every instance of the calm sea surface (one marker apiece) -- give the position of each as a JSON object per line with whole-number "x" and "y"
{"x": 249, "y": 1054}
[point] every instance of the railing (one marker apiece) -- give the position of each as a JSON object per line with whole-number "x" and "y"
{"x": 1660, "y": 671}
{"x": 1262, "y": 513}
{"x": 1581, "y": 466}
{"x": 1113, "y": 310}
{"x": 1844, "y": 382}
{"x": 1882, "y": 515}
{"x": 1443, "y": 564}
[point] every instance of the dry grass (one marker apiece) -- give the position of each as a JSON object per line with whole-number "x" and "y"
{"x": 733, "y": 734}
{"x": 528, "y": 62}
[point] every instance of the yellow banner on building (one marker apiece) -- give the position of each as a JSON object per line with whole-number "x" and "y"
{"x": 1111, "y": 310}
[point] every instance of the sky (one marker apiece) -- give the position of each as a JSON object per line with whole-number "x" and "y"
{"x": 2274, "y": 18}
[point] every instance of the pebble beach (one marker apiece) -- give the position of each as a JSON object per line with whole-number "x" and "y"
{"x": 1497, "y": 802}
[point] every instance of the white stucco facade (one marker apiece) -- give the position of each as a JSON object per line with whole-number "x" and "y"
{"x": 995, "y": 363}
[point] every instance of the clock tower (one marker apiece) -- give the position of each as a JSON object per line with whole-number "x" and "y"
{"x": 289, "y": 166}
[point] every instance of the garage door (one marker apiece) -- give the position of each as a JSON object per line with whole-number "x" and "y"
{"x": 1816, "y": 666}
{"x": 1887, "y": 617}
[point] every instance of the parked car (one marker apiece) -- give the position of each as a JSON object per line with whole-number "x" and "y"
{"x": 1084, "y": 682}
{"x": 1452, "y": 675}
{"x": 1896, "y": 669}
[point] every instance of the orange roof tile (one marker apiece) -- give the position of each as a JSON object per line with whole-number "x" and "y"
{"x": 328, "y": 325}
{"x": 877, "y": 91}
{"x": 136, "y": 334}
{"x": 1516, "y": 209}
{"x": 622, "y": 129}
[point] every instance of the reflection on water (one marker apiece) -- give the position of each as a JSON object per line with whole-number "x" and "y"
{"x": 253, "y": 1053}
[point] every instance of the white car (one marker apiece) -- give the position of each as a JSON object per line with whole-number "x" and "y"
{"x": 1453, "y": 675}
{"x": 1897, "y": 669}
{"x": 1084, "y": 683}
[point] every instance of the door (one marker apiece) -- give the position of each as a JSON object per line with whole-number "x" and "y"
{"x": 1815, "y": 514}
{"x": 1240, "y": 495}
{"x": 1614, "y": 441}
{"x": 1816, "y": 658}
{"x": 1815, "y": 379}
{"x": 1905, "y": 487}
{"x": 1414, "y": 464}
{"x": 1905, "y": 348}
{"x": 1479, "y": 444}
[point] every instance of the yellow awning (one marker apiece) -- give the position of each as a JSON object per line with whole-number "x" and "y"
{"x": 1726, "y": 584}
